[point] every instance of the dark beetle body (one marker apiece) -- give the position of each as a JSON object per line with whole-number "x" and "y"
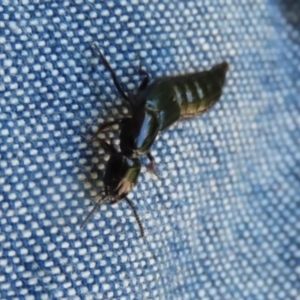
{"x": 167, "y": 100}
{"x": 120, "y": 177}
{"x": 154, "y": 108}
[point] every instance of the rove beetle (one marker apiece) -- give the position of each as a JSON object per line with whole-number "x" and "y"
{"x": 154, "y": 108}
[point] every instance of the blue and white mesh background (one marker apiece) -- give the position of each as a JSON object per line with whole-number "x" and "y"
{"x": 222, "y": 222}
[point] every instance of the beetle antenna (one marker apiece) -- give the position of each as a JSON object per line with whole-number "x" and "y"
{"x": 91, "y": 213}
{"x": 87, "y": 218}
{"x": 136, "y": 217}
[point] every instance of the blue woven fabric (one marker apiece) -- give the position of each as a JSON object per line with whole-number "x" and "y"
{"x": 222, "y": 222}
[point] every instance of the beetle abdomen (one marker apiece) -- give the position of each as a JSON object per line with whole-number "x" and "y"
{"x": 196, "y": 93}
{"x": 184, "y": 96}
{"x": 161, "y": 100}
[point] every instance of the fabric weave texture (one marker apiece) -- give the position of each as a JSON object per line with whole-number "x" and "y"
{"x": 221, "y": 222}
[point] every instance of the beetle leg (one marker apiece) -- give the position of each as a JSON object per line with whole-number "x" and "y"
{"x": 145, "y": 81}
{"x": 151, "y": 166}
{"x": 104, "y": 126}
{"x": 108, "y": 146}
{"x": 112, "y": 73}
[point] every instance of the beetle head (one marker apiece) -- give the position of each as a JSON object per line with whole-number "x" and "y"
{"x": 121, "y": 175}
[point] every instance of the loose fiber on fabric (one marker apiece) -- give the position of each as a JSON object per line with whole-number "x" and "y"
{"x": 221, "y": 222}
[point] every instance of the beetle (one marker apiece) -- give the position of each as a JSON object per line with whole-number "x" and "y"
{"x": 155, "y": 107}
{"x": 120, "y": 177}
{"x": 160, "y": 104}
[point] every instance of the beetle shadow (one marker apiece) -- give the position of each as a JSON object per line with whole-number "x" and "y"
{"x": 94, "y": 171}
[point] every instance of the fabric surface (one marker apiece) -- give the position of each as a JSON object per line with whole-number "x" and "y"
{"x": 222, "y": 222}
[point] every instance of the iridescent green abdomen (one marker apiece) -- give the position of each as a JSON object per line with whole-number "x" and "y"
{"x": 184, "y": 96}
{"x": 161, "y": 100}
{"x": 196, "y": 93}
